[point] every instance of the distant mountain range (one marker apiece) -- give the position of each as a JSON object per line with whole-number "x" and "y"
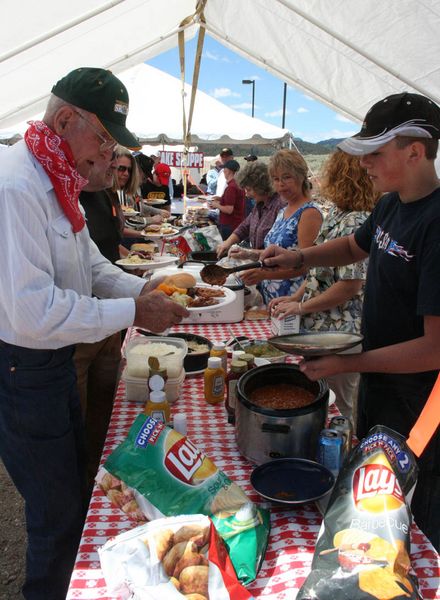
{"x": 323, "y": 147}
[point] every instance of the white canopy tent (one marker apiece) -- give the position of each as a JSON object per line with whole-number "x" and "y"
{"x": 346, "y": 53}
{"x": 156, "y": 114}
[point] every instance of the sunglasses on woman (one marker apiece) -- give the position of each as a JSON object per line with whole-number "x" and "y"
{"x": 123, "y": 168}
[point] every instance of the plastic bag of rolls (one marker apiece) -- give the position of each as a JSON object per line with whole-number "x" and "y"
{"x": 156, "y": 472}
{"x": 174, "y": 557}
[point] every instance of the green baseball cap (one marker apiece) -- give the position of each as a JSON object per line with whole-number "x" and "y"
{"x": 98, "y": 91}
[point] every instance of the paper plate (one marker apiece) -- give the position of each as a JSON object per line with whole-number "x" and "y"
{"x": 228, "y": 298}
{"x": 158, "y": 235}
{"x": 155, "y": 201}
{"x": 158, "y": 262}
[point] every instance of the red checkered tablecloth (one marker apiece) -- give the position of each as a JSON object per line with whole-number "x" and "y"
{"x": 293, "y": 532}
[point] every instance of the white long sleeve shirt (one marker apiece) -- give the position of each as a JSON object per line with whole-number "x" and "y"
{"x": 48, "y": 273}
{"x": 221, "y": 183}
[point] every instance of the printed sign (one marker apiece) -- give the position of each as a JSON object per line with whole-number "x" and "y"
{"x": 175, "y": 159}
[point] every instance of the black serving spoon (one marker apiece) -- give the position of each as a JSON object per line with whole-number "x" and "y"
{"x": 217, "y": 275}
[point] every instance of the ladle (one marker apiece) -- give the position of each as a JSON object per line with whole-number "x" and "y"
{"x": 217, "y": 275}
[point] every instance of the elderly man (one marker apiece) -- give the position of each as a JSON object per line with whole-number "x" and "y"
{"x": 50, "y": 270}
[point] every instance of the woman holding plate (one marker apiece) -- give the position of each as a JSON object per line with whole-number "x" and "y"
{"x": 330, "y": 298}
{"x": 296, "y": 225}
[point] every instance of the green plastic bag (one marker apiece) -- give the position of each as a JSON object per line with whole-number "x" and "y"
{"x": 156, "y": 472}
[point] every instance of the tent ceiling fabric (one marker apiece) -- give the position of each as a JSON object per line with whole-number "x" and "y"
{"x": 156, "y": 114}
{"x": 346, "y": 53}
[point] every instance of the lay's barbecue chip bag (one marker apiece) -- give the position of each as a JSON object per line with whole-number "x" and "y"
{"x": 156, "y": 472}
{"x": 362, "y": 552}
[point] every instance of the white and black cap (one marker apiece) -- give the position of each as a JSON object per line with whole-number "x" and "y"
{"x": 410, "y": 115}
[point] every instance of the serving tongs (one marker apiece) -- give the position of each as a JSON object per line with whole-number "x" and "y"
{"x": 217, "y": 275}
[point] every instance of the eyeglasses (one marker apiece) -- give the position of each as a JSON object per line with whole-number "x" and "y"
{"x": 283, "y": 179}
{"x": 106, "y": 144}
{"x": 123, "y": 168}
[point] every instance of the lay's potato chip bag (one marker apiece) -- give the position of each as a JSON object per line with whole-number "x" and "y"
{"x": 362, "y": 552}
{"x": 156, "y": 472}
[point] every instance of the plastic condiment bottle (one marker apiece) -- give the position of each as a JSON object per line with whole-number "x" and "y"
{"x": 249, "y": 359}
{"x": 237, "y": 354}
{"x": 219, "y": 349}
{"x": 214, "y": 381}
{"x": 157, "y": 405}
{"x": 238, "y": 367}
{"x": 179, "y": 423}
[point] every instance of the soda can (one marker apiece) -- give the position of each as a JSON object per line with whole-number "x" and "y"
{"x": 330, "y": 450}
{"x": 343, "y": 425}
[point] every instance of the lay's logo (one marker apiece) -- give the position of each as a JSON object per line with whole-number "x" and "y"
{"x": 183, "y": 460}
{"x": 376, "y": 489}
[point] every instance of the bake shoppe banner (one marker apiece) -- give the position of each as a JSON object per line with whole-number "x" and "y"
{"x": 175, "y": 159}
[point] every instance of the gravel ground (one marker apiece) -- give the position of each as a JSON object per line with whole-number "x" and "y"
{"x": 12, "y": 539}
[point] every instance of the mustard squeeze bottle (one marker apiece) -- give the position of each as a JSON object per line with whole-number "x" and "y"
{"x": 219, "y": 349}
{"x": 214, "y": 381}
{"x": 157, "y": 405}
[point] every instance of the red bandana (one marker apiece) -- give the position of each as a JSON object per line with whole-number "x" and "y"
{"x": 55, "y": 156}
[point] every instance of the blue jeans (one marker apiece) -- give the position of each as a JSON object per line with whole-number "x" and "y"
{"x": 42, "y": 447}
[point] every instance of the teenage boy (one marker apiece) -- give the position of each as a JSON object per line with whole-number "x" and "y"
{"x": 401, "y": 315}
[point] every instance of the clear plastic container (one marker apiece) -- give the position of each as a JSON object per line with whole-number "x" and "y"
{"x": 137, "y": 360}
{"x": 137, "y": 389}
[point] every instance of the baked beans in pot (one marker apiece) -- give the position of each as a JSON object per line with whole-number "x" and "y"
{"x": 268, "y": 423}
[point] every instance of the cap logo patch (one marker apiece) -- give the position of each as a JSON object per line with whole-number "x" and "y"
{"x": 121, "y": 107}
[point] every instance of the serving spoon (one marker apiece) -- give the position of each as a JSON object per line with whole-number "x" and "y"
{"x": 217, "y": 275}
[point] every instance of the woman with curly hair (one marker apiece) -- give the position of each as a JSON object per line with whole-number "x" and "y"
{"x": 330, "y": 298}
{"x": 256, "y": 182}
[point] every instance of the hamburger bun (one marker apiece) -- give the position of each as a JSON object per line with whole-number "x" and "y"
{"x": 181, "y": 280}
{"x": 151, "y": 247}
{"x": 256, "y": 314}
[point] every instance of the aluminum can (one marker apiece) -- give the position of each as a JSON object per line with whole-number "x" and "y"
{"x": 343, "y": 425}
{"x": 330, "y": 450}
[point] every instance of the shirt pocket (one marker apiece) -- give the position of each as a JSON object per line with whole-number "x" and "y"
{"x": 65, "y": 252}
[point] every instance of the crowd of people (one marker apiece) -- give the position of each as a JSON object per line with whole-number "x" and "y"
{"x": 365, "y": 260}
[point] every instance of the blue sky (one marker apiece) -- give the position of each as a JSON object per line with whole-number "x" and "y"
{"x": 221, "y": 73}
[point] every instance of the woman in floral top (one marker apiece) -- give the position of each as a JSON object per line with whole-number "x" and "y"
{"x": 330, "y": 298}
{"x": 296, "y": 225}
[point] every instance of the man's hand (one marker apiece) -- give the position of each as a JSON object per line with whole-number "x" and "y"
{"x": 156, "y": 312}
{"x": 320, "y": 368}
{"x": 274, "y": 256}
{"x": 152, "y": 285}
